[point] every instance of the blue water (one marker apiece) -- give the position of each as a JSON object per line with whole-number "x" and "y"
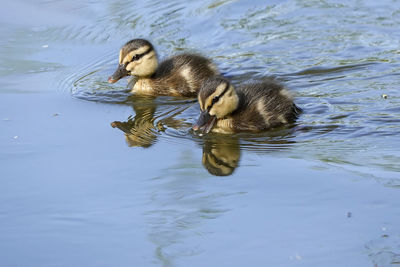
{"x": 76, "y": 192}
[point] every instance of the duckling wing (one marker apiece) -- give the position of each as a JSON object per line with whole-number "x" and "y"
{"x": 185, "y": 73}
{"x": 264, "y": 105}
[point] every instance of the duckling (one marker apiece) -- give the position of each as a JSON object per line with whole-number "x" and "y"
{"x": 252, "y": 107}
{"x": 180, "y": 75}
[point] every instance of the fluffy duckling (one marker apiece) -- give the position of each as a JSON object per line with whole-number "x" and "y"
{"x": 181, "y": 75}
{"x": 253, "y": 107}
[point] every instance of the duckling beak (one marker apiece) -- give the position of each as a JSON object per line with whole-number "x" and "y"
{"x": 205, "y": 121}
{"x": 118, "y": 74}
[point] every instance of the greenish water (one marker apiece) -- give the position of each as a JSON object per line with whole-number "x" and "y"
{"x": 76, "y": 192}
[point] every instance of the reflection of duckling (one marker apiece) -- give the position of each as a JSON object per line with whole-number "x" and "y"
{"x": 253, "y": 107}
{"x": 137, "y": 134}
{"x": 181, "y": 75}
{"x": 220, "y": 157}
{"x": 140, "y": 130}
{"x": 144, "y": 128}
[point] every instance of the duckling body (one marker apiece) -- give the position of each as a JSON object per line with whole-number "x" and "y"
{"x": 180, "y": 75}
{"x": 251, "y": 108}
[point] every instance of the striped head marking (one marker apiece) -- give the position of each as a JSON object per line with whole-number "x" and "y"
{"x": 218, "y": 96}
{"x": 217, "y": 99}
{"x": 137, "y": 57}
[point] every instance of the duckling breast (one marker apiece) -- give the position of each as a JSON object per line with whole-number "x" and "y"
{"x": 224, "y": 126}
{"x": 143, "y": 87}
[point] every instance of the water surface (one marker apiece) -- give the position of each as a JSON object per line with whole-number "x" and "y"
{"x": 75, "y": 191}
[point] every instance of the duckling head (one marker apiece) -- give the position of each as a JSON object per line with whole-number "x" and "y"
{"x": 137, "y": 57}
{"x": 217, "y": 99}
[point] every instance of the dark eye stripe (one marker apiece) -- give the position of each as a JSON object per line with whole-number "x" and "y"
{"x": 217, "y": 98}
{"x": 137, "y": 57}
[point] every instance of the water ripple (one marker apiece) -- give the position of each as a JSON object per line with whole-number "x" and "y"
{"x": 338, "y": 74}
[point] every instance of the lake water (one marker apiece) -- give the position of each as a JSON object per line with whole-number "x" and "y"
{"x": 76, "y": 192}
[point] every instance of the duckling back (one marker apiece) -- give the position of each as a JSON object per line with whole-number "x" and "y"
{"x": 182, "y": 75}
{"x": 263, "y": 106}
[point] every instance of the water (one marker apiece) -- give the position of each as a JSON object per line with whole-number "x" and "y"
{"x": 75, "y": 191}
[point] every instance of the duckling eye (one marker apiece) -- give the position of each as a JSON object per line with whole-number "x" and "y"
{"x": 135, "y": 57}
{"x": 215, "y": 99}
